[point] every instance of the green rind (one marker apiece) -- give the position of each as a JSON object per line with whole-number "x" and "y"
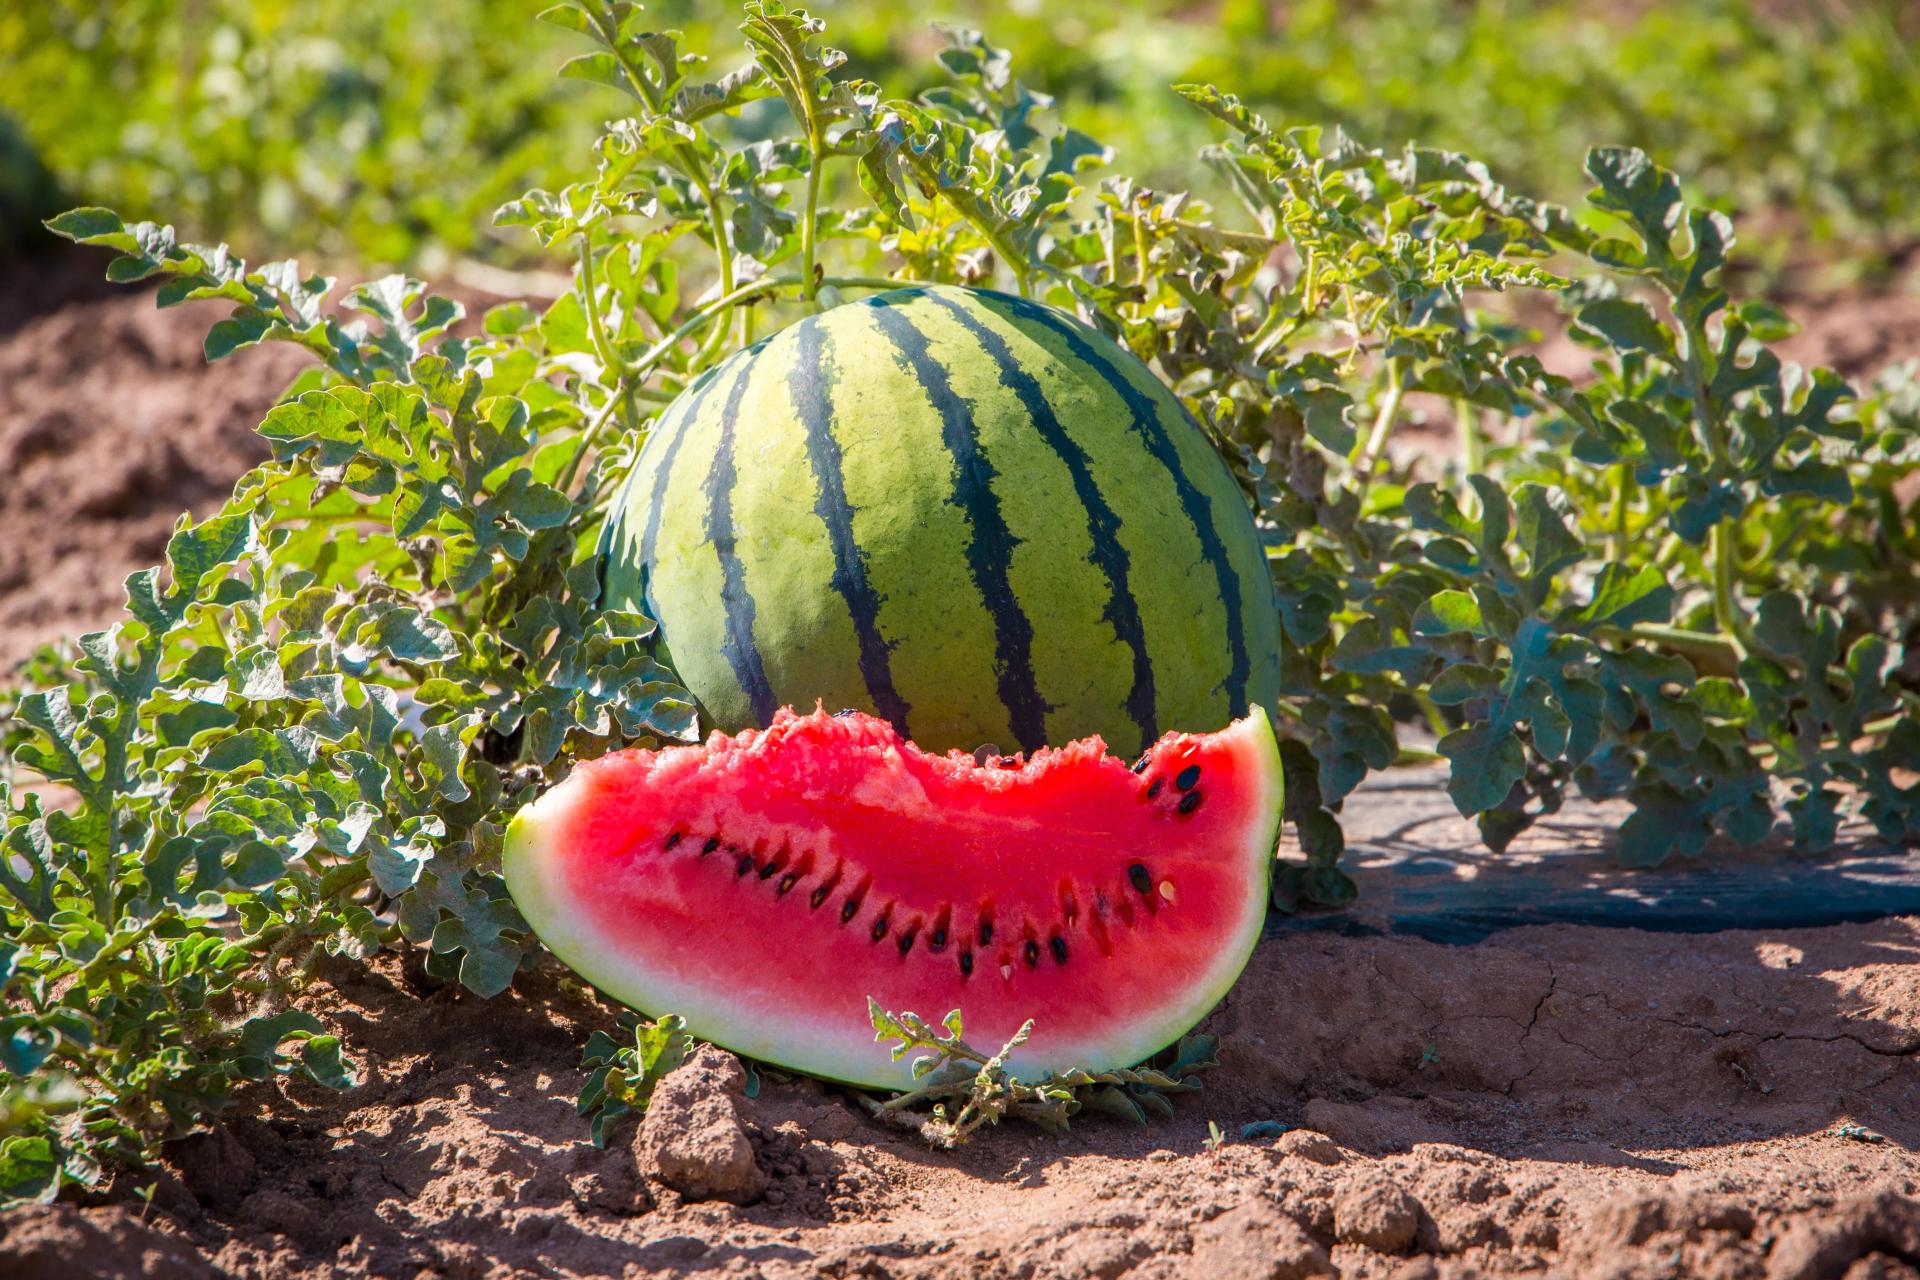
{"x": 893, "y": 446}
{"x": 935, "y": 632}
{"x": 1200, "y": 628}
{"x": 530, "y": 852}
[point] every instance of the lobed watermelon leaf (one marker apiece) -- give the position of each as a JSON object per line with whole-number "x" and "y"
{"x": 965, "y": 1089}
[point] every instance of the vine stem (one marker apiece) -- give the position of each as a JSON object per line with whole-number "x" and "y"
{"x": 1405, "y": 757}
{"x": 99, "y": 963}
{"x": 1466, "y": 423}
{"x": 113, "y": 771}
{"x": 1677, "y": 637}
{"x": 596, "y": 327}
{"x": 808, "y": 228}
{"x": 273, "y": 995}
{"x": 1871, "y": 729}
{"x": 689, "y": 160}
{"x": 808, "y": 110}
{"x": 1376, "y": 441}
{"x": 587, "y": 438}
{"x": 1726, "y": 604}
{"x": 722, "y": 253}
{"x": 1720, "y": 550}
{"x": 1622, "y": 506}
{"x": 1015, "y": 260}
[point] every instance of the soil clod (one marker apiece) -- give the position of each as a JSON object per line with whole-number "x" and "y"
{"x": 694, "y": 1138}
{"x": 1372, "y": 1209}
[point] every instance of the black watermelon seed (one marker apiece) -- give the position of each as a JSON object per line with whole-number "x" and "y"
{"x": 786, "y": 882}
{"x": 1141, "y": 880}
{"x": 1140, "y": 765}
{"x": 673, "y": 839}
{"x": 850, "y": 910}
{"x": 906, "y": 940}
{"x": 713, "y": 842}
{"x": 880, "y": 928}
{"x": 819, "y": 896}
{"x": 743, "y": 866}
{"x": 986, "y": 933}
{"x": 1153, "y": 788}
{"x": 766, "y": 872}
{"x": 1187, "y": 777}
{"x": 1189, "y": 802}
{"x": 966, "y": 964}
{"x": 1032, "y": 953}
{"x": 937, "y": 940}
{"x": 1059, "y": 948}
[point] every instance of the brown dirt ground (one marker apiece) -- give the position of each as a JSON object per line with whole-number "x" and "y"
{"x": 1553, "y": 1101}
{"x": 111, "y": 423}
{"x": 1558, "y": 1100}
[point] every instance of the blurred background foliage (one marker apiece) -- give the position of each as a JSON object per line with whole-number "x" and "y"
{"x": 385, "y": 132}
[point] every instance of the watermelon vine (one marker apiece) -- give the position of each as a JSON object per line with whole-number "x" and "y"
{"x": 1683, "y": 578}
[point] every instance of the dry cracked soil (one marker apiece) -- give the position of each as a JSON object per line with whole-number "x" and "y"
{"x": 1558, "y": 1100}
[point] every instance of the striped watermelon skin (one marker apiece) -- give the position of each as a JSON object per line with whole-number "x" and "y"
{"x": 961, "y": 511}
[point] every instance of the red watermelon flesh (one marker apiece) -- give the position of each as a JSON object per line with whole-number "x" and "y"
{"x": 765, "y": 884}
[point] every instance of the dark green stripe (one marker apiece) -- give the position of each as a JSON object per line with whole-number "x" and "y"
{"x": 1195, "y": 504}
{"x": 990, "y": 543}
{"x": 1122, "y": 612}
{"x": 691, "y": 403}
{"x": 737, "y": 646}
{"x": 808, "y": 383}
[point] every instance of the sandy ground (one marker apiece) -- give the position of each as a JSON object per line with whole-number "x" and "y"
{"x": 1557, "y": 1100}
{"x": 1552, "y": 1101}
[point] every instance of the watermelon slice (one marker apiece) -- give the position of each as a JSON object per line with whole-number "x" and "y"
{"x": 765, "y": 884}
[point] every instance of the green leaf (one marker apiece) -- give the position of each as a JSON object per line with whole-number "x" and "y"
{"x": 1627, "y": 326}
{"x": 278, "y": 753}
{"x": 571, "y": 16}
{"x": 1487, "y": 761}
{"x": 29, "y": 1169}
{"x": 91, "y": 225}
{"x": 1448, "y": 613}
{"x": 1623, "y": 597}
{"x": 236, "y": 333}
{"x": 321, "y": 1062}
{"x": 1662, "y": 824}
{"x": 261, "y": 1037}
{"x": 1643, "y": 193}
{"x": 1824, "y": 480}
{"x": 196, "y": 550}
{"x": 443, "y": 750}
{"x": 1463, "y": 681}
{"x": 487, "y": 958}
{"x": 1541, "y": 528}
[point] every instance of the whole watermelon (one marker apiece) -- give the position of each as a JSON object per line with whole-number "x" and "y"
{"x": 961, "y": 511}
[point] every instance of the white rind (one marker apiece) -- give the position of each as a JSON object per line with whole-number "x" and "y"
{"x": 529, "y": 866}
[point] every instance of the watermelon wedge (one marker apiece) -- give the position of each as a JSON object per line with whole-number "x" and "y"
{"x": 765, "y": 884}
